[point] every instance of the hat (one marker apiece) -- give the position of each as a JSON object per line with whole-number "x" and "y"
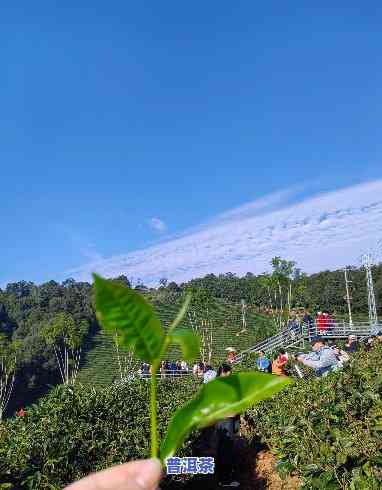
{"x": 353, "y": 337}
{"x": 230, "y": 349}
{"x": 314, "y": 340}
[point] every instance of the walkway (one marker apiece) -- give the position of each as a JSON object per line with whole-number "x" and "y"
{"x": 287, "y": 339}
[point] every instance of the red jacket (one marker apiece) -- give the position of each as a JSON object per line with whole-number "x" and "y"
{"x": 321, "y": 323}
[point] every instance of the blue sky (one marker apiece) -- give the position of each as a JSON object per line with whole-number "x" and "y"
{"x": 124, "y": 126}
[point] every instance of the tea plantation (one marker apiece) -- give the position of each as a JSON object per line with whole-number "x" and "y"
{"x": 74, "y": 431}
{"x": 99, "y": 364}
{"x": 328, "y": 431}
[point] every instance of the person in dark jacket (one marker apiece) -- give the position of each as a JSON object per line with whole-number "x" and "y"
{"x": 225, "y": 431}
{"x": 352, "y": 344}
{"x": 308, "y": 323}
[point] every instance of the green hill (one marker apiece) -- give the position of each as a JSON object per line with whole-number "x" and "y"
{"x": 223, "y": 323}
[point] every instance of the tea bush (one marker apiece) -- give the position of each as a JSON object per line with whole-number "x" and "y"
{"x": 328, "y": 430}
{"x": 76, "y": 430}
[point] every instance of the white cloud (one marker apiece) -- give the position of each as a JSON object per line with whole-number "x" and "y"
{"x": 90, "y": 253}
{"x": 158, "y": 225}
{"x": 326, "y": 231}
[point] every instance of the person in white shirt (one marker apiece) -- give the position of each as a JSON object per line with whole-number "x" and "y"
{"x": 209, "y": 375}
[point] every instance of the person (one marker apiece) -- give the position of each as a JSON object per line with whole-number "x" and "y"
{"x": 278, "y": 365}
{"x": 342, "y": 356}
{"x": 282, "y": 358}
{"x": 231, "y": 357}
{"x": 200, "y": 370}
{"x": 145, "y": 370}
{"x": 293, "y": 326}
{"x": 178, "y": 368}
{"x": 308, "y": 322}
{"x": 325, "y": 323}
{"x": 184, "y": 367}
{"x": 330, "y": 323}
{"x": 370, "y": 342}
{"x": 320, "y": 322}
{"x": 195, "y": 369}
{"x": 172, "y": 369}
{"x": 143, "y": 474}
{"x": 263, "y": 363}
{"x": 21, "y": 412}
{"x": 322, "y": 358}
{"x": 225, "y": 431}
{"x": 209, "y": 375}
{"x": 162, "y": 369}
{"x": 352, "y": 344}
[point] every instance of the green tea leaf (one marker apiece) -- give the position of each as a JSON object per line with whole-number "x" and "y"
{"x": 218, "y": 399}
{"x": 122, "y": 310}
{"x": 188, "y": 342}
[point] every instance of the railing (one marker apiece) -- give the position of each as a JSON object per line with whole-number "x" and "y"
{"x": 284, "y": 338}
{"x": 337, "y": 329}
{"x": 290, "y": 337}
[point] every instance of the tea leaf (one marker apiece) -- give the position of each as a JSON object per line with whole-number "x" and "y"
{"x": 121, "y": 309}
{"x": 188, "y": 342}
{"x": 218, "y": 399}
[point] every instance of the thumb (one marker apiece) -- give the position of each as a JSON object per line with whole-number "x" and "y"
{"x": 137, "y": 475}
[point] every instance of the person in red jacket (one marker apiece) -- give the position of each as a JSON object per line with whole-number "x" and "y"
{"x": 321, "y": 323}
{"x": 21, "y": 412}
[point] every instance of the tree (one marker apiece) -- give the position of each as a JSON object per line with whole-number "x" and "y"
{"x": 163, "y": 281}
{"x": 66, "y": 337}
{"x": 127, "y": 364}
{"x": 122, "y": 279}
{"x": 8, "y": 363}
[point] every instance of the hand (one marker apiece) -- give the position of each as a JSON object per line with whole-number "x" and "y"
{"x": 137, "y": 475}
{"x": 300, "y": 358}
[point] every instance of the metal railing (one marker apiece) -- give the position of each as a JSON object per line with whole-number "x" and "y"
{"x": 286, "y": 338}
{"x": 290, "y": 337}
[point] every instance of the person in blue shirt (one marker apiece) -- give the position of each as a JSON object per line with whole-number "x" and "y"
{"x": 263, "y": 364}
{"x": 322, "y": 358}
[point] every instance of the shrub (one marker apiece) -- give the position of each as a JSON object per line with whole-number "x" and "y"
{"x": 328, "y": 430}
{"x": 76, "y": 430}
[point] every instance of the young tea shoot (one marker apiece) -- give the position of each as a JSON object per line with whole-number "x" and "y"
{"x": 123, "y": 312}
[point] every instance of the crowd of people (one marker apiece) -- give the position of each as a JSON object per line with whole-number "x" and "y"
{"x": 173, "y": 369}
{"x": 167, "y": 369}
{"x": 323, "y": 324}
{"x": 326, "y": 356}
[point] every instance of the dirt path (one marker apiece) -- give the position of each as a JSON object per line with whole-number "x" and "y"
{"x": 257, "y": 471}
{"x": 265, "y": 476}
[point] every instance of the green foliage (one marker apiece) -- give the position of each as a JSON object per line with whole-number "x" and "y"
{"x": 64, "y": 328}
{"x": 122, "y": 310}
{"x": 188, "y": 342}
{"x": 329, "y": 430}
{"x": 75, "y": 431}
{"x": 128, "y": 315}
{"x": 218, "y": 399}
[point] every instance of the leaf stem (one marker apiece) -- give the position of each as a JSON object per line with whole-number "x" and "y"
{"x": 154, "y": 381}
{"x": 181, "y": 313}
{"x": 153, "y": 411}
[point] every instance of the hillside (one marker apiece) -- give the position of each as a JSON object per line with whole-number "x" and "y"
{"x": 27, "y": 308}
{"x": 223, "y": 324}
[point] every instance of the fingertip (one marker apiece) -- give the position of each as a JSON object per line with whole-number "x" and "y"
{"x": 149, "y": 473}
